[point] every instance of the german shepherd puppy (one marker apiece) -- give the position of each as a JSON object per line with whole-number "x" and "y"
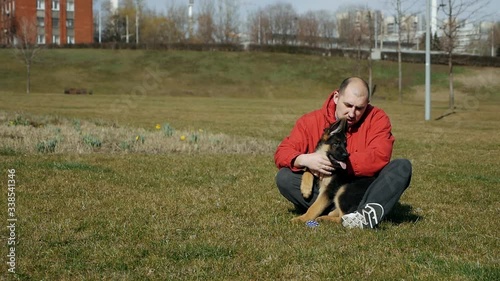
{"x": 337, "y": 188}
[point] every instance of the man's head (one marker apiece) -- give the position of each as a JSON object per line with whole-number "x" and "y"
{"x": 351, "y": 99}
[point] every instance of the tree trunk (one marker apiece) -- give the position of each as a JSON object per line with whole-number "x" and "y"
{"x": 370, "y": 74}
{"x": 400, "y": 70}
{"x": 400, "y": 75}
{"x": 28, "y": 77}
{"x": 452, "y": 94}
{"x": 359, "y": 56}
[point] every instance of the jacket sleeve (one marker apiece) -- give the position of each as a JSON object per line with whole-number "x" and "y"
{"x": 376, "y": 153}
{"x": 292, "y": 146}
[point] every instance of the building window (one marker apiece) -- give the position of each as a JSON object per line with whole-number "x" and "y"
{"x": 71, "y": 40}
{"x": 40, "y": 39}
{"x": 69, "y": 23}
{"x": 70, "y": 6}
{"x": 40, "y": 4}
{"x": 55, "y": 39}
{"x": 55, "y": 5}
{"x": 55, "y": 23}
{"x": 40, "y": 21}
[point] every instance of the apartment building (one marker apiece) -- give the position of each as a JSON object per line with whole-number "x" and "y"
{"x": 57, "y": 21}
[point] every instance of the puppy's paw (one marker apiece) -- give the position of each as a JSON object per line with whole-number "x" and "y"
{"x": 328, "y": 219}
{"x": 306, "y": 193}
{"x": 299, "y": 219}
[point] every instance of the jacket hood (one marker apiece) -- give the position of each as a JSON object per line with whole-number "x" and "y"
{"x": 328, "y": 108}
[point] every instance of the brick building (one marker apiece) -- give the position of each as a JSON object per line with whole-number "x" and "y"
{"x": 57, "y": 21}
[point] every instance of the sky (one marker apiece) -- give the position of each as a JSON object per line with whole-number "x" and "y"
{"x": 302, "y": 6}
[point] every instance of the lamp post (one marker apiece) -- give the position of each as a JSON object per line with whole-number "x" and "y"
{"x": 428, "y": 64}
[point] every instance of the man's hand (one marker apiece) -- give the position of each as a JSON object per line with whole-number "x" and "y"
{"x": 317, "y": 162}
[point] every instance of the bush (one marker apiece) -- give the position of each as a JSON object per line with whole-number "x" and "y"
{"x": 92, "y": 141}
{"x": 47, "y": 146}
{"x": 7, "y": 151}
{"x": 168, "y": 130}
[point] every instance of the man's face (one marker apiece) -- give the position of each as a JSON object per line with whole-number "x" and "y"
{"x": 351, "y": 104}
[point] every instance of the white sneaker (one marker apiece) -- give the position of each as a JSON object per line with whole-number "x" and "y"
{"x": 368, "y": 217}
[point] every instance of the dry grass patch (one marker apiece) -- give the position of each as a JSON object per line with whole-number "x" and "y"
{"x": 46, "y": 134}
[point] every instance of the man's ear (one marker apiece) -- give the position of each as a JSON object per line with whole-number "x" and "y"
{"x": 336, "y": 97}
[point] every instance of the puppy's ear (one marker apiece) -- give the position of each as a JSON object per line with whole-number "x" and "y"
{"x": 343, "y": 124}
{"x": 338, "y": 126}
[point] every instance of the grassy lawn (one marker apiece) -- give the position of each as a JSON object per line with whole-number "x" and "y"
{"x": 102, "y": 194}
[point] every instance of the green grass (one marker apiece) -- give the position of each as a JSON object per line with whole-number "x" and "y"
{"x": 206, "y": 208}
{"x": 212, "y": 74}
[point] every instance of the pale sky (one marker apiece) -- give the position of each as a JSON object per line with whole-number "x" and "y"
{"x": 302, "y": 6}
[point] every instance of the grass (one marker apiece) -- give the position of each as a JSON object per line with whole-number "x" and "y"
{"x": 159, "y": 208}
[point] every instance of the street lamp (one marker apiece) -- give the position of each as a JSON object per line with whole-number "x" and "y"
{"x": 428, "y": 64}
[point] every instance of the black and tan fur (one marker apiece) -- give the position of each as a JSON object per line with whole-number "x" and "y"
{"x": 337, "y": 188}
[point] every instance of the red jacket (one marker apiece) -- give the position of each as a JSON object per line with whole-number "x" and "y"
{"x": 369, "y": 142}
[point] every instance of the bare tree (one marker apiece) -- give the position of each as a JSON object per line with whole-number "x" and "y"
{"x": 155, "y": 29}
{"x": 326, "y": 27}
{"x": 130, "y": 11}
{"x": 404, "y": 21}
{"x": 457, "y": 13}
{"x": 114, "y": 23}
{"x": 494, "y": 38}
{"x": 26, "y": 47}
{"x": 206, "y": 25}
{"x": 266, "y": 28}
{"x": 349, "y": 25}
{"x": 371, "y": 32}
{"x": 356, "y": 30}
{"x": 177, "y": 22}
{"x": 227, "y": 21}
{"x": 308, "y": 29}
{"x": 254, "y": 26}
{"x": 283, "y": 24}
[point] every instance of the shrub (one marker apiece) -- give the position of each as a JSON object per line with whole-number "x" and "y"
{"x": 48, "y": 146}
{"x": 125, "y": 145}
{"x": 20, "y": 120}
{"x": 92, "y": 141}
{"x": 7, "y": 151}
{"x": 168, "y": 130}
{"x": 77, "y": 125}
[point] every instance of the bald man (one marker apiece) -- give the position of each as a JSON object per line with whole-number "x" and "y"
{"x": 369, "y": 143}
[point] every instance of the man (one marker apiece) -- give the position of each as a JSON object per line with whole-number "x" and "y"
{"x": 369, "y": 143}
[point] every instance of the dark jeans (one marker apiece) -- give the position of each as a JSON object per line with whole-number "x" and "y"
{"x": 386, "y": 190}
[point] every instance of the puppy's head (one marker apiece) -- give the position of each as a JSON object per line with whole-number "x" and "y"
{"x": 335, "y": 137}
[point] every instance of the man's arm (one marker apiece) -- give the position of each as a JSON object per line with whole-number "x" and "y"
{"x": 297, "y": 151}
{"x": 291, "y": 147}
